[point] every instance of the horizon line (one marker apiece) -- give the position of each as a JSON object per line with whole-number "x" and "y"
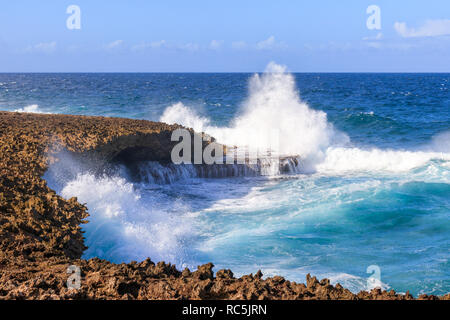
{"x": 224, "y": 72}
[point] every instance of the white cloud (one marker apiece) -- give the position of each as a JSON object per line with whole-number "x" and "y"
{"x": 266, "y": 44}
{"x": 239, "y": 45}
{"x": 45, "y": 47}
{"x": 404, "y": 46}
{"x": 431, "y": 28}
{"x": 163, "y": 44}
{"x": 190, "y": 46}
{"x": 378, "y": 36}
{"x": 158, "y": 44}
{"x": 114, "y": 44}
{"x": 216, "y": 44}
{"x": 149, "y": 45}
{"x": 269, "y": 43}
{"x": 374, "y": 44}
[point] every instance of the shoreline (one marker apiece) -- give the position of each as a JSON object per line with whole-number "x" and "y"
{"x": 40, "y": 233}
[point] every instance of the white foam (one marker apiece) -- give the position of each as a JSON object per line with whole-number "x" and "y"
{"x": 441, "y": 142}
{"x": 125, "y": 227}
{"x": 33, "y": 108}
{"x": 274, "y": 109}
{"x": 179, "y": 113}
{"x": 354, "y": 283}
{"x": 345, "y": 160}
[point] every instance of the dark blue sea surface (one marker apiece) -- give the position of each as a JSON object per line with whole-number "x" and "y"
{"x": 380, "y": 199}
{"x": 389, "y": 110}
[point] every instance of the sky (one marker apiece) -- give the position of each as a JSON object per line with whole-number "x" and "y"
{"x": 224, "y": 36}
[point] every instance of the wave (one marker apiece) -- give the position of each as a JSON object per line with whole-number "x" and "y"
{"x": 274, "y": 118}
{"x": 441, "y": 142}
{"x": 355, "y": 283}
{"x": 32, "y": 108}
{"x": 124, "y": 225}
{"x": 342, "y": 160}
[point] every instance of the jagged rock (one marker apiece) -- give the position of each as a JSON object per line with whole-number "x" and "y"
{"x": 204, "y": 272}
{"x": 224, "y": 274}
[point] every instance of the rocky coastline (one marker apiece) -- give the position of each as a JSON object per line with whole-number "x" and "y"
{"x": 41, "y": 234}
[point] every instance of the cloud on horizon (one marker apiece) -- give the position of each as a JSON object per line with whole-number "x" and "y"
{"x": 190, "y": 46}
{"x": 216, "y": 44}
{"x": 239, "y": 44}
{"x": 42, "y": 47}
{"x": 378, "y": 36}
{"x": 431, "y": 28}
{"x": 114, "y": 44}
{"x": 269, "y": 43}
{"x": 149, "y": 45}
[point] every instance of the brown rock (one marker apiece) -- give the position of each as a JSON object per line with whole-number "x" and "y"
{"x": 224, "y": 274}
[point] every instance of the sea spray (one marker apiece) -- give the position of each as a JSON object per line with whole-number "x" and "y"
{"x": 32, "y": 108}
{"x": 125, "y": 223}
{"x": 273, "y": 109}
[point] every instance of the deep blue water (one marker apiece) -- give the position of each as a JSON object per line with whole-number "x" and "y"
{"x": 381, "y": 198}
{"x": 410, "y": 108}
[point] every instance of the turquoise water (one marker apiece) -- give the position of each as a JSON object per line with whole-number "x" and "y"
{"x": 374, "y": 188}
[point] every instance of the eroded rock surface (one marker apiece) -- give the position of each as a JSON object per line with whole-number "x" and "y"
{"x": 40, "y": 233}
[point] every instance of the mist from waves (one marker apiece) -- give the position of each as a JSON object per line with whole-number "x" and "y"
{"x": 274, "y": 110}
{"x": 32, "y": 108}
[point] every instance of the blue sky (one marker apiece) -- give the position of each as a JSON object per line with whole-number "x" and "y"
{"x": 224, "y": 36}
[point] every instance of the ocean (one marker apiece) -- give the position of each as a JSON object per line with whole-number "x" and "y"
{"x": 370, "y": 202}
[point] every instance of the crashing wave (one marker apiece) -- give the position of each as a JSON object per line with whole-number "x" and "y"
{"x": 33, "y": 108}
{"x": 273, "y": 117}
